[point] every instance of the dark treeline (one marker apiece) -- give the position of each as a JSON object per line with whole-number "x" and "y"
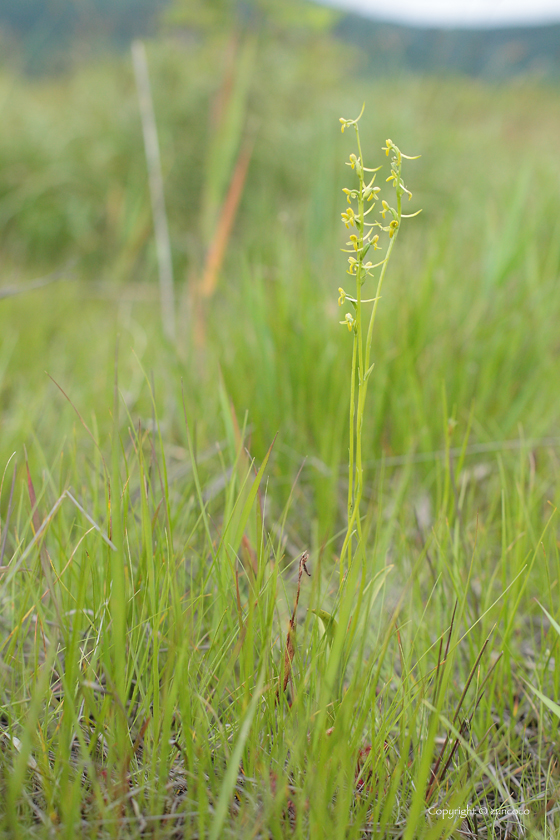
{"x": 44, "y": 34}
{"x": 487, "y": 53}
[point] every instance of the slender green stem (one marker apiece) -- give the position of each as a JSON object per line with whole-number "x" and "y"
{"x": 361, "y": 352}
{"x": 351, "y": 452}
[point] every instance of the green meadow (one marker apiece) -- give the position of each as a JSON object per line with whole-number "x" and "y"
{"x": 170, "y": 666}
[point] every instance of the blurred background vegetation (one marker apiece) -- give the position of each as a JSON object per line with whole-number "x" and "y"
{"x": 247, "y": 98}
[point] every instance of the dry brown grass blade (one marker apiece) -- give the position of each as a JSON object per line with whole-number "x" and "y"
{"x": 223, "y": 96}
{"x": 290, "y": 650}
{"x": 249, "y": 555}
{"x": 228, "y": 212}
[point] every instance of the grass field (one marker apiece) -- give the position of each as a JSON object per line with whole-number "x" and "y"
{"x": 157, "y": 497}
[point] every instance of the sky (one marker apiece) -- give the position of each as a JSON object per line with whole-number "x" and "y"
{"x": 450, "y": 13}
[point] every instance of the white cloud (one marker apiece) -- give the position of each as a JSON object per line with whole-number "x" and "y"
{"x": 458, "y": 12}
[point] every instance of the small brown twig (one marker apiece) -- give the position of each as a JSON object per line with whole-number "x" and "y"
{"x": 290, "y": 647}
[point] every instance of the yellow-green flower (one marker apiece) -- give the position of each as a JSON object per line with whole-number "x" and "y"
{"x": 353, "y": 265}
{"x": 348, "y": 321}
{"x": 370, "y": 192}
{"x": 342, "y": 296}
{"x": 348, "y": 217}
{"x": 387, "y": 148}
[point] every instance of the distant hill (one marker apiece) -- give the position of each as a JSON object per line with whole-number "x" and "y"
{"x": 487, "y": 53}
{"x": 41, "y": 35}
